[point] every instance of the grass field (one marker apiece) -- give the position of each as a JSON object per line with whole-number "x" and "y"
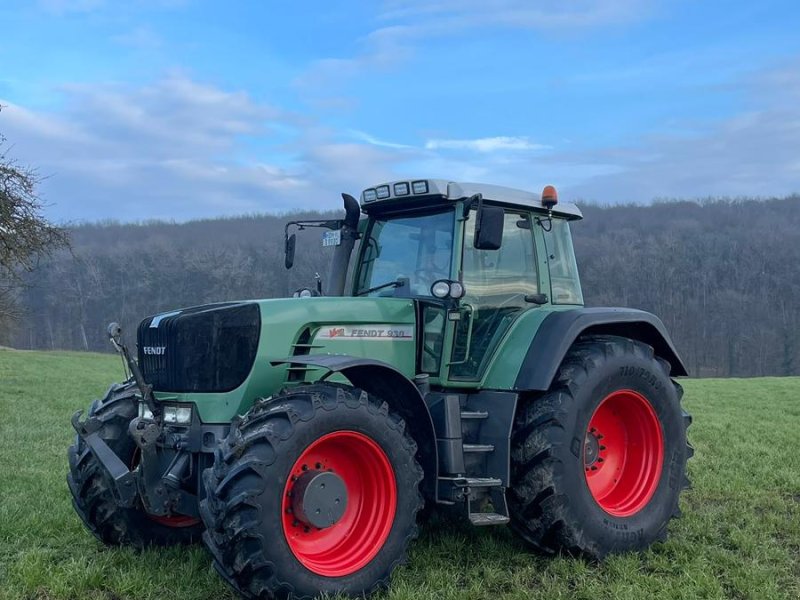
{"x": 739, "y": 537}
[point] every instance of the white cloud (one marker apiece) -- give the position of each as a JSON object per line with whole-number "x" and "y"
{"x": 406, "y": 22}
{"x": 171, "y": 149}
{"x": 179, "y": 149}
{"x": 141, "y": 38}
{"x": 488, "y": 144}
{"x": 454, "y": 15}
{"x": 751, "y": 154}
{"x": 369, "y": 139}
{"x": 62, "y": 7}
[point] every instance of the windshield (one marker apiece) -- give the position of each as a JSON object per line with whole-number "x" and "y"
{"x": 418, "y": 249}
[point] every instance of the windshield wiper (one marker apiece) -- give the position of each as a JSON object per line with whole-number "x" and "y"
{"x": 396, "y": 284}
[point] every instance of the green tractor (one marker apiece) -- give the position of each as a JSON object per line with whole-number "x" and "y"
{"x": 301, "y": 438}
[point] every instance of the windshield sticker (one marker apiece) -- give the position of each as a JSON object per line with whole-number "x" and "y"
{"x": 382, "y": 332}
{"x": 332, "y": 238}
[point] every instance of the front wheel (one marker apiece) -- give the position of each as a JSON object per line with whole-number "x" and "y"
{"x": 599, "y": 461}
{"x": 315, "y": 490}
{"x": 91, "y": 486}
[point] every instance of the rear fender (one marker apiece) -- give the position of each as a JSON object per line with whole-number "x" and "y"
{"x": 560, "y": 329}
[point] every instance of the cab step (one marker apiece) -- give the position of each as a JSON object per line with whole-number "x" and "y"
{"x": 478, "y": 448}
{"x": 474, "y": 414}
{"x": 483, "y": 519}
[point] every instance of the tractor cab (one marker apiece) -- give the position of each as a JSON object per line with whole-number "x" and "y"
{"x": 473, "y": 257}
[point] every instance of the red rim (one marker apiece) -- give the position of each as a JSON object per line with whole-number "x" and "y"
{"x": 175, "y": 521}
{"x": 623, "y": 453}
{"x": 354, "y": 540}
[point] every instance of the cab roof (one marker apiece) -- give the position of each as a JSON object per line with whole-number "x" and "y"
{"x": 419, "y": 192}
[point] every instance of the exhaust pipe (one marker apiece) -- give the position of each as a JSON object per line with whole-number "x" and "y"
{"x": 341, "y": 256}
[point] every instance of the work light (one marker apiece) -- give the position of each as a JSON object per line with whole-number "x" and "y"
{"x": 419, "y": 187}
{"x": 401, "y": 189}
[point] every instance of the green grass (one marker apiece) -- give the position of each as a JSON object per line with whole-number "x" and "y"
{"x": 739, "y": 536}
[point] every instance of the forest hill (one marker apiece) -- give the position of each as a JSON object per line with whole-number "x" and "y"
{"x": 723, "y": 275}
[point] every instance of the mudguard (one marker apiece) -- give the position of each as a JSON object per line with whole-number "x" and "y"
{"x": 560, "y": 329}
{"x": 389, "y": 384}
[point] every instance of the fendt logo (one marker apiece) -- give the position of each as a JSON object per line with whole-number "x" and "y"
{"x": 336, "y": 332}
{"x": 154, "y": 350}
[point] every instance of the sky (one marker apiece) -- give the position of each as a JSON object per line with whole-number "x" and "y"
{"x": 183, "y": 109}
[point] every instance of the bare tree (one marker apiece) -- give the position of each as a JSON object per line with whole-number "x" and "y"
{"x": 25, "y": 235}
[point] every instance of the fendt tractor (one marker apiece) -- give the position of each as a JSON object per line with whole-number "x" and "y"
{"x": 303, "y": 438}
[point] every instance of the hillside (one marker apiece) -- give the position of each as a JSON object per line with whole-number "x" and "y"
{"x": 723, "y": 275}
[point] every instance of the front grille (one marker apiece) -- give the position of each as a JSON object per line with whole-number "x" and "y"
{"x": 202, "y": 349}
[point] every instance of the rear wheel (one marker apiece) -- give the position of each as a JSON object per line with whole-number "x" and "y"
{"x": 91, "y": 486}
{"x": 599, "y": 461}
{"x": 315, "y": 490}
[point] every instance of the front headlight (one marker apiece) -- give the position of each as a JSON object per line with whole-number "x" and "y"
{"x": 173, "y": 415}
{"x": 179, "y": 415}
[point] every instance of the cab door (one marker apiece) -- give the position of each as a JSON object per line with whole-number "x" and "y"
{"x": 496, "y": 284}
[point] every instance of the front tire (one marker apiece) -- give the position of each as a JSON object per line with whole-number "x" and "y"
{"x": 91, "y": 486}
{"x": 346, "y": 538}
{"x": 599, "y": 461}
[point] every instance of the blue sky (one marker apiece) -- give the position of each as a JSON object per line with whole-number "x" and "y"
{"x": 179, "y": 109}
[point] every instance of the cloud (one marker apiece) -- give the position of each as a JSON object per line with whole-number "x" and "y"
{"x": 488, "y": 144}
{"x": 452, "y": 15}
{"x": 63, "y": 7}
{"x": 141, "y": 38}
{"x": 754, "y": 153}
{"x": 404, "y": 24}
{"x": 369, "y": 139}
{"x": 178, "y": 148}
{"x": 172, "y": 149}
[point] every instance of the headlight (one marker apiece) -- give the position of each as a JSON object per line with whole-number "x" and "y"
{"x": 180, "y": 415}
{"x": 174, "y": 415}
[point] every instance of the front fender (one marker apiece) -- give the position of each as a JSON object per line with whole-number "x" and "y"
{"x": 398, "y": 391}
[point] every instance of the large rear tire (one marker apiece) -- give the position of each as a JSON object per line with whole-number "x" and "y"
{"x": 91, "y": 486}
{"x": 599, "y": 461}
{"x": 267, "y": 541}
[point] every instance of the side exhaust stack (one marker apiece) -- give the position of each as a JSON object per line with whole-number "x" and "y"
{"x": 341, "y": 256}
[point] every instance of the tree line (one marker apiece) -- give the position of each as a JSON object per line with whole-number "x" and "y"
{"x": 723, "y": 275}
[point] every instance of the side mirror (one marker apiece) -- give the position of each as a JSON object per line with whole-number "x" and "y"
{"x": 489, "y": 227}
{"x": 291, "y": 243}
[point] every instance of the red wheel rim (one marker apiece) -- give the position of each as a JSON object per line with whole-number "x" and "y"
{"x": 175, "y": 521}
{"x": 355, "y": 539}
{"x": 623, "y": 453}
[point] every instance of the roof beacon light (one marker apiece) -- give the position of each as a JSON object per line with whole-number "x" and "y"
{"x": 549, "y": 197}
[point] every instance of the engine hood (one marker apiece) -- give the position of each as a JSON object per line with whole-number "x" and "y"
{"x": 218, "y": 355}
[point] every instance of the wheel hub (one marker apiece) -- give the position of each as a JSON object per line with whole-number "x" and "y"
{"x": 591, "y": 450}
{"x": 319, "y": 498}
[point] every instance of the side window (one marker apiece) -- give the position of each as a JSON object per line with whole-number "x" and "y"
{"x": 505, "y": 276}
{"x": 564, "y": 282}
{"x": 496, "y": 283}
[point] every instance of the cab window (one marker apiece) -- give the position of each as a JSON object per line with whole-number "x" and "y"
{"x": 565, "y": 286}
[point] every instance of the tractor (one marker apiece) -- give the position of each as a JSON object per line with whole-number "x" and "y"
{"x": 304, "y": 438}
